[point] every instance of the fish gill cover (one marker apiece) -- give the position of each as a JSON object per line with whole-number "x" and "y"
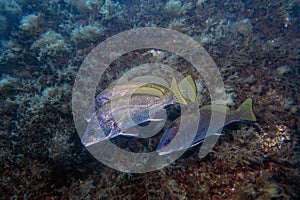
{"x": 255, "y": 45}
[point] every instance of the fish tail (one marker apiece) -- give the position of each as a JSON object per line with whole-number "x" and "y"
{"x": 246, "y": 112}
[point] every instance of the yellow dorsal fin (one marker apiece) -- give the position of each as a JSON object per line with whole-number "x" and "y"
{"x": 152, "y": 79}
{"x": 246, "y": 112}
{"x": 188, "y": 88}
{"x": 177, "y": 94}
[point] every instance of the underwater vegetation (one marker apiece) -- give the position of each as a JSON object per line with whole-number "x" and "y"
{"x": 255, "y": 45}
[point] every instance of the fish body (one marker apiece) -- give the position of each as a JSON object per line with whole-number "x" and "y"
{"x": 206, "y": 127}
{"x": 112, "y": 91}
{"x": 119, "y": 110}
{"x": 150, "y": 85}
{"x": 115, "y": 120}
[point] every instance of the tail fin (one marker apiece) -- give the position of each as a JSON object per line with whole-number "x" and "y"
{"x": 246, "y": 112}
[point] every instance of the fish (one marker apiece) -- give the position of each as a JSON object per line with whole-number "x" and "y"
{"x": 243, "y": 114}
{"x": 116, "y": 116}
{"x": 186, "y": 89}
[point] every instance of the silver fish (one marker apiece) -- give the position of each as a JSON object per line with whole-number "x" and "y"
{"x": 116, "y": 116}
{"x": 243, "y": 114}
{"x": 120, "y": 89}
{"x": 109, "y": 121}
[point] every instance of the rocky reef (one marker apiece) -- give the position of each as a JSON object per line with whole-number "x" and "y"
{"x": 255, "y": 45}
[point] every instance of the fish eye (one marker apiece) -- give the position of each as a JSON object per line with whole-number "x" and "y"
{"x": 91, "y": 132}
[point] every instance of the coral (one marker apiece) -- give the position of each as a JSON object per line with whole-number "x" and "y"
{"x": 30, "y": 23}
{"x": 85, "y": 6}
{"x": 6, "y": 81}
{"x": 175, "y": 8}
{"x": 200, "y": 2}
{"x": 178, "y": 25}
{"x": 213, "y": 31}
{"x": 87, "y": 34}
{"x": 10, "y": 7}
{"x": 111, "y": 10}
{"x": 10, "y": 13}
{"x": 50, "y": 45}
{"x": 11, "y": 56}
{"x": 243, "y": 27}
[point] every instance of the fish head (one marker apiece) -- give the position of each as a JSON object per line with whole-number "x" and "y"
{"x": 93, "y": 133}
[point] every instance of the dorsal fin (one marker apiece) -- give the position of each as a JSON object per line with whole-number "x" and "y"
{"x": 188, "y": 88}
{"x": 177, "y": 94}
